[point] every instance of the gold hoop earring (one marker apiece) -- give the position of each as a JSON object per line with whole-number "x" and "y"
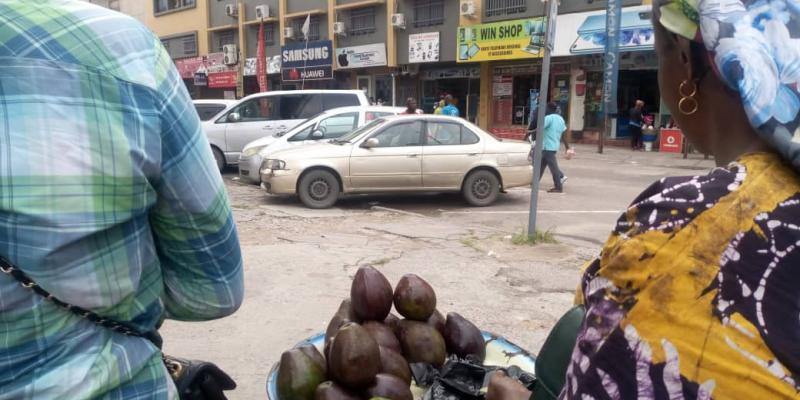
{"x": 688, "y": 105}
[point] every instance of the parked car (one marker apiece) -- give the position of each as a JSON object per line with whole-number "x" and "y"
{"x": 270, "y": 113}
{"x": 208, "y": 109}
{"x": 329, "y": 124}
{"x": 424, "y": 153}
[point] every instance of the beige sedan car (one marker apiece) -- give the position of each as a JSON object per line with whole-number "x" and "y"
{"x": 421, "y": 153}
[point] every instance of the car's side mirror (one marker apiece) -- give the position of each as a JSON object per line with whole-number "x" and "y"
{"x": 234, "y": 117}
{"x": 317, "y": 135}
{"x": 370, "y": 143}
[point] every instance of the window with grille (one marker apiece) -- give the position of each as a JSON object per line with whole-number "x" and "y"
{"x": 181, "y": 46}
{"x": 161, "y": 6}
{"x": 269, "y": 34}
{"x": 225, "y": 37}
{"x": 504, "y": 7}
{"x": 428, "y": 12}
{"x": 362, "y": 21}
{"x": 313, "y": 27}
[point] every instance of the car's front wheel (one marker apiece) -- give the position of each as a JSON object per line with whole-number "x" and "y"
{"x": 318, "y": 189}
{"x": 481, "y": 188}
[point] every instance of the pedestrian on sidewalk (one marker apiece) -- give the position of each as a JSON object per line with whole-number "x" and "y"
{"x": 450, "y": 108}
{"x": 695, "y": 294}
{"x": 110, "y": 201}
{"x": 635, "y": 122}
{"x": 554, "y": 128}
{"x": 411, "y": 107}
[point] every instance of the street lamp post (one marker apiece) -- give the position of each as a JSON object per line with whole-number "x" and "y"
{"x": 550, "y": 15}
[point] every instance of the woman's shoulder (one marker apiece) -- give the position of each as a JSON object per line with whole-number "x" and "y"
{"x": 673, "y": 202}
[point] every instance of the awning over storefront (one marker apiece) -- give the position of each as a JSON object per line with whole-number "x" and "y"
{"x": 585, "y": 33}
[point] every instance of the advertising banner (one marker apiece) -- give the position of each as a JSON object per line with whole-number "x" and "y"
{"x": 273, "y": 66}
{"x": 219, "y": 80}
{"x": 585, "y": 33}
{"x": 369, "y": 55}
{"x": 611, "y": 68}
{"x": 307, "y": 61}
{"x": 423, "y": 47}
{"x": 507, "y": 40}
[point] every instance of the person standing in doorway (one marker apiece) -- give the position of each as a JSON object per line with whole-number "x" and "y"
{"x": 450, "y": 109}
{"x": 554, "y": 127}
{"x": 635, "y": 125}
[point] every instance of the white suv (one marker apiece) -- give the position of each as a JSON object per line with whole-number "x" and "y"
{"x": 268, "y": 114}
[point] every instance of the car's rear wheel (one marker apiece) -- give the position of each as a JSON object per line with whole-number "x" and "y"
{"x": 481, "y": 188}
{"x": 318, "y": 189}
{"x": 219, "y": 158}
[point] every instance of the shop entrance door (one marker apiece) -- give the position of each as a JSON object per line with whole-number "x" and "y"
{"x": 367, "y": 84}
{"x": 466, "y": 93}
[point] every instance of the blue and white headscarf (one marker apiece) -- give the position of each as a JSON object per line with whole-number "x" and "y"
{"x": 755, "y": 45}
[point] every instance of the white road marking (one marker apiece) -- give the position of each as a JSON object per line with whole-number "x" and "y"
{"x": 540, "y": 212}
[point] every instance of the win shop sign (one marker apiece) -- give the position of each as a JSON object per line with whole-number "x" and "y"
{"x": 307, "y": 61}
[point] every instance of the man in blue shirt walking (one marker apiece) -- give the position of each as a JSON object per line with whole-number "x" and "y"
{"x": 450, "y": 109}
{"x": 554, "y": 127}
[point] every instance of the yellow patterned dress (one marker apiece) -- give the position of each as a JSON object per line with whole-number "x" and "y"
{"x": 696, "y": 294}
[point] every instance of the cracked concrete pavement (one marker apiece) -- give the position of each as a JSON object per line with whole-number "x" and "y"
{"x": 299, "y": 262}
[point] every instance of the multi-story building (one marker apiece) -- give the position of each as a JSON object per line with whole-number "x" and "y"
{"x": 485, "y": 53}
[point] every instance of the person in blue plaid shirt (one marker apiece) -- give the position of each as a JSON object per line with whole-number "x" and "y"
{"x": 109, "y": 199}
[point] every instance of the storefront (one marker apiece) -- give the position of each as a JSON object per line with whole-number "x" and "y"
{"x": 368, "y": 64}
{"x": 512, "y": 50}
{"x": 580, "y": 38}
{"x": 207, "y": 77}
{"x": 460, "y": 81}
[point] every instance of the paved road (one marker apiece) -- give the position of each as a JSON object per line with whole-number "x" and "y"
{"x": 299, "y": 262}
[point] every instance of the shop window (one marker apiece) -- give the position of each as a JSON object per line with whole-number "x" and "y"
{"x": 162, "y": 6}
{"x": 505, "y": 7}
{"x": 181, "y": 46}
{"x": 428, "y": 13}
{"x": 269, "y": 34}
{"x": 224, "y": 38}
{"x": 362, "y": 21}
{"x": 313, "y": 27}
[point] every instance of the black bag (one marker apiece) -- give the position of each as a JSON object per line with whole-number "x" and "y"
{"x": 195, "y": 380}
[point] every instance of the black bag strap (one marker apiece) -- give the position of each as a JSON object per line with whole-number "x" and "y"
{"x": 28, "y": 283}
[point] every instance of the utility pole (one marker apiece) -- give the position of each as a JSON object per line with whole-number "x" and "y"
{"x": 550, "y": 15}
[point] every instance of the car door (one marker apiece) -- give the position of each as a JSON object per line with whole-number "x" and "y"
{"x": 257, "y": 118}
{"x": 450, "y": 150}
{"x": 394, "y": 164}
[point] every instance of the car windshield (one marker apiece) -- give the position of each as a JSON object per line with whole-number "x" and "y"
{"x": 358, "y": 132}
{"x": 299, "y": 128}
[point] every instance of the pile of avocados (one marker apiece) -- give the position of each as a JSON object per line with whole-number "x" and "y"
{"x": 368, "y": 349}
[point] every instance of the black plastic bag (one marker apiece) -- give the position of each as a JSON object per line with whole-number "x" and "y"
{"x": 461, "y": 379}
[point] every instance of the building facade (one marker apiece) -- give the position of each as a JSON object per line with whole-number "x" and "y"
{"x": 485, "y": 53}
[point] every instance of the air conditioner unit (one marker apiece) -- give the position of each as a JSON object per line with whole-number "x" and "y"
{"x": 288, "y": 32}
{"x": 231, "y": 54}
{"x": 263, "y": 12}
{"x": 231, "y": 10}
{"x": 339, "y": 29}
{"x": 468, "y": 8}
{"x": 399, "y": 21}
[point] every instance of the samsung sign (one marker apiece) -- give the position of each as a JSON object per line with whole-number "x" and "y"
{"x": 307, "y": 61}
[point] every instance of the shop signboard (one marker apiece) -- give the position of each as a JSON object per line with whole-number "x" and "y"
{"x": 585, "y": 33}
{"x": 671, "y": 141}
{"x": 423, "y": 47}
{"x": 502, "y": 86}
{"x": 226, "y": 79}
{"x": 368, "y": 55}
{"x": 307, "y": 61}
{"x": 187, "y": 67}
{"x": 451, "y": 73}
{"x": 506, "y": 40}
{"x": 273, "y": 66}
{"x": 200, "y": 77}
{"x": 611, "y": 68}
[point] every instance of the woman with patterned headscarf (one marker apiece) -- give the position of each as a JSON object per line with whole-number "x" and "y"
{"x": 696, "y": 294}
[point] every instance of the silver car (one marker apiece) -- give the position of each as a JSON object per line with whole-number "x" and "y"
{"x": 420, "y": 153}
{"x": 326, "y": 125}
